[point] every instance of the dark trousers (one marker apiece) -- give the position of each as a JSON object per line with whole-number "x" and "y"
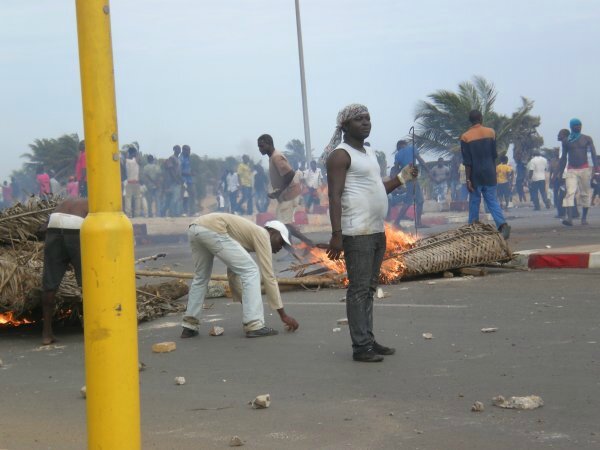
{"x": 247, "y": 199}
{"x": 234, "y": 207}
{"x": 312, "y": 198}
{"x": 536, "y": 187}
{"x": 558, "y": 189}
{"x": 504, "y": 193}
{"x": 363, "y": 255}
{"x": 262, "y": 201}
{"x": 519, "y": 187}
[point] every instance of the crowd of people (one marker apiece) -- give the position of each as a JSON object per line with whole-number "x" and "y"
{"x": 358, "y": 205}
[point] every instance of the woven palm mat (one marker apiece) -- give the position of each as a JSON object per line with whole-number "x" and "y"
{"x": 469, "y": 245}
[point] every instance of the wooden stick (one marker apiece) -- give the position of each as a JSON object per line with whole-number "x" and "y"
{"x": 150, "y": 258}
{"x": 306, "y": 281}
{"x": 473, "y": 271}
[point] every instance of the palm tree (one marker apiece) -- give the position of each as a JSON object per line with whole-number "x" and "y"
{"x": 59, "y": 155}
{"x": 442, "y": 120}
{"x": 295, "y": 152}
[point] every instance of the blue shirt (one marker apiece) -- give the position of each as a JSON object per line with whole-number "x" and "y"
{"x": 186, "y": 168}
{"x": 405, "y": 156}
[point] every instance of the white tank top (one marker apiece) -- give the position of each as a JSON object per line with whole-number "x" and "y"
{"x": 364, "y": 201}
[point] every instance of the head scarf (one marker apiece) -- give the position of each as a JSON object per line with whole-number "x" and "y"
{"x": 349, "y": 112}
{"x": 574, "y": 136}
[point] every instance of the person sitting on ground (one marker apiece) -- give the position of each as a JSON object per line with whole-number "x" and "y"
{"x": 61, "y": 248}
{"x": 230, "y": 238}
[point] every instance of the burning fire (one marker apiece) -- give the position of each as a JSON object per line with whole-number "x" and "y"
{"x": 7, "y": 319}
{"x": 392, "y": 267}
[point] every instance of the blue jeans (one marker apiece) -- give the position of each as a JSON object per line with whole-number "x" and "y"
{"x": 247, "y": 199}
{"x": 363, "y": 255}
{"x": 491, "y": 201}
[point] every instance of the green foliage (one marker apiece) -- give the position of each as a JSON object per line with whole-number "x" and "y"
{"x": 295, "y": 153}
{"x": 442, "y": 120}
{"x": 59, "y": 155}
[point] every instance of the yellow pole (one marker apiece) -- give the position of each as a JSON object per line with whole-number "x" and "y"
{"x": 110, "y": 316}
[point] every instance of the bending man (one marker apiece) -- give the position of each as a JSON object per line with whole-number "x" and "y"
{"x": 230, "y": 238}
{"x": 61, "y": 248}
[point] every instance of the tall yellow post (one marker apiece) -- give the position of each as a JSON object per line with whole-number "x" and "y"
{"x": 110, "y": 316}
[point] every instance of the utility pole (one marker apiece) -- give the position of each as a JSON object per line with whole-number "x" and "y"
{"x": 307, "y": 146}
{"x": 110, "y": 318}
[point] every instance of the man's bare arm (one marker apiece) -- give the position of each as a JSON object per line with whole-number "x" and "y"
{"x": 337, "y": 168}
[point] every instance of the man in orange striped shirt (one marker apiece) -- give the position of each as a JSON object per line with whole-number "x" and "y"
{"x": 478, "y": 147}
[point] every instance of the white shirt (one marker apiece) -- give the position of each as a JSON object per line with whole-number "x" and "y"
{"x": 312, "y": 179}
{"x": 364, "y": 201}
{"x": 539, "y": 166}
{"x": 233, "y": 182}
{"x": 133, "y": 169}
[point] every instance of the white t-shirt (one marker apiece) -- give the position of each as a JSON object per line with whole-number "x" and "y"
{"x": 312, "y": 179}
{"x": 233, "y": 182}
{"x": 539, "y": 166}
{"x": 364, "y": 201}
{"x": 133, "y": 169}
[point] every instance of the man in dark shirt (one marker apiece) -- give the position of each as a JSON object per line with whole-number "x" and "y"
{"x": 172, "y": 184}
{"x": 478, "y": 147}
{"x": 579, "y": 173}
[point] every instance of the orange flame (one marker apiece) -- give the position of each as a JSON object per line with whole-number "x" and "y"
{"x": 8, "y": 319}
{"x": 392, "y": 267}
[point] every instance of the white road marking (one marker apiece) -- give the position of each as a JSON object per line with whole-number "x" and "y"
{"x": 379, "y": 305}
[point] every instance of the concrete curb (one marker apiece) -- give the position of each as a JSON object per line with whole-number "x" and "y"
{"x": 579, "y": 257}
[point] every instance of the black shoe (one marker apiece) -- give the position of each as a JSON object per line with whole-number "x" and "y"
{"x": 261, "y": 332}
{"x": 567, "y": 222}
{"x": 367, "y": 356}
{"x": 383, "y": 350}
{"x": 188, "y": 333}
{"x": 505, "y": 231}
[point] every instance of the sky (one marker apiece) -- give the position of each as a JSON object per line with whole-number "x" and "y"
{"x": 216, "y": 75}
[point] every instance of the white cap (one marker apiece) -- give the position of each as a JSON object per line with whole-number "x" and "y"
{"x": 279, "y": 226}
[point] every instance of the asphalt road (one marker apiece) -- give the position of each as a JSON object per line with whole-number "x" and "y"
{"x": 547, "y": 344}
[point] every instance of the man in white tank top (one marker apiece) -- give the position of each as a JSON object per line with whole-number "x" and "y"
{"x": 357, "y": 208}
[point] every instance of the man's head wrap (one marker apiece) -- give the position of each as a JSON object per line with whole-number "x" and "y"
{"x": 574, "y": 136}
{"x": 346, "y": 114}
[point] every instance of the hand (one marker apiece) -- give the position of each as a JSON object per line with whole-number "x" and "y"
{"x": 290, "y": 323}
{"x": 335, "y": 246}
{"x": 274, "y": 194}
{"x": 408, "y": 173}
{"x": 470, "y": 187}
